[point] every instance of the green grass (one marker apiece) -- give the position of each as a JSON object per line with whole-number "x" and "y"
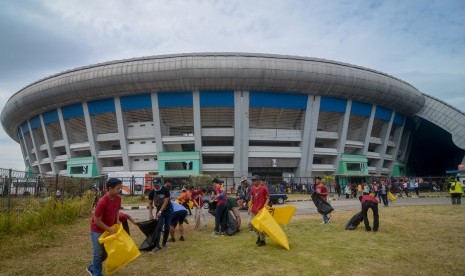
{"x": 419, "y": 240}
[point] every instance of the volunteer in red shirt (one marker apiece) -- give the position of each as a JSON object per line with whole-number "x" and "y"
{"x": 370, "y": 202}
{"x": 221, "y": 213}
{"x": 322, "y": 191}
{"x": 259, "y": 198}
{"x": 199, "y": 211}
{"x": 105, "y": 215}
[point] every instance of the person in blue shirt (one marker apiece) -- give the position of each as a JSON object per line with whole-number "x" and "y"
{"x": 179, "y": 217}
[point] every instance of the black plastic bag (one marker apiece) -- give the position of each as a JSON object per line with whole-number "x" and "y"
{"x": 353, "y": 223}
{"x": 148, "y": 228}
{"x": 232, "y": 226}
{"x": 322, "y": 206}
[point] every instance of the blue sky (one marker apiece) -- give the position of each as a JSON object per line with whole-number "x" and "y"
{"x": 421, "y": 42}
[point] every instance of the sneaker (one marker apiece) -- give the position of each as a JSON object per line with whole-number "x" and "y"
{"x": 155, "y": 250}
{"x": 222, "y": 234}
{"x": 90, "y": 270}
{"x": 215, "y": 235}
{"x": 172, "y": 240}
{"x": 329, "y": 219}
{"x": 165, "y": 246}
{"x": 262, "y": 243}
{"x": 258, "y": 241}
{"x": 323, "y": 222}
{"x": 181, "y": 238}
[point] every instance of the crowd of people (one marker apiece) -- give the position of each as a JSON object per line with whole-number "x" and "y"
{"x": 253, "y": 198}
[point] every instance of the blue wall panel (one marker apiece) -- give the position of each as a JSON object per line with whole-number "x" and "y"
{"x": 399, "y": 119}
{"x": 101, "y": 106}
{"x": 278, "y": 100}
{"x": 35, "y": 122}
{"x": 333, "y": 104}
{"x": 217, "y": 98}
{"x": 383, "y": 113}
{"x": 72, "y": 111}
{"x": 50, "y": 116}
{"x": 134, "y": 102}
{"x": 175, "y": 99}
{"x": 25, "y": 128}
{"x": 362, "y": 109}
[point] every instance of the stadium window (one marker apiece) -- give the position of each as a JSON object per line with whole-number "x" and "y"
{"x": 142, "y": 142}
{"x": 136, "y": 160}
{"x": 147, "y": 159}
{"x": 131, "y": 143}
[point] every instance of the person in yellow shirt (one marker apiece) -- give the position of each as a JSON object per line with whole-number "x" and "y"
{"x": 456, "y": 191}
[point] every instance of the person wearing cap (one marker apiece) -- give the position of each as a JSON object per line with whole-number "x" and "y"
{"x": 161, "y": 198}
{"x": 370, "y": 202}
{"x": 104, "y": 216}
{"x": 260, "y": 197}
{"x": 221, "y": 212}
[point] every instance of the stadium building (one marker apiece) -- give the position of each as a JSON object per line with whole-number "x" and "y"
{"x": 232, "y": 114}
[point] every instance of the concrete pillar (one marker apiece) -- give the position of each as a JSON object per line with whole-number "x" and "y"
{"x": 343, "y": 138}
{"x": 313, "y": 128}
{"x": 37, "y": 150}
{"x": 64, "y": 133}
{"x": 51, "y": 153}
{"x": 156, "y": 122}
{"x": 382, "y": 154}
{"x": 304, "y": 145}
{"x": 122, "y": 133}
{"x": 369, "y": 129}
{"x": 398, "y": 142}
{"x": 197, "y": 122}
{"x": 241, "y": 133}
{"x": 26, "y": 148}
{"x": 91, "y": 136}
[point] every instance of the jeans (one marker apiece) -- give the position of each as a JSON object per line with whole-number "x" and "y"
{"x": 163, "y": 221}
{"x": 325, "y": 218}
{"x": 260, "y": 235}
{"x": 221, "y": 216}
{"x": 385, "y": 200}
{"x": 374, "y": 207}
{"x": 456, "y": 198}
{"x": 99, "y": 254}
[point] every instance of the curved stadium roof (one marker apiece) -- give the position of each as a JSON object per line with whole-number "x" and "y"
{"x": 213, "y": 71}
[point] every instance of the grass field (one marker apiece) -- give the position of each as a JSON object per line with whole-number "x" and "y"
{"x": 420, "y": 240}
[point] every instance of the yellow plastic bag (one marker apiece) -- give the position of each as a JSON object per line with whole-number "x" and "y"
{"x": 120, "y": 249}
{"x": 282, "y": 215}
{"x": 392, "y": 197}
{"x": 265, "y": 223}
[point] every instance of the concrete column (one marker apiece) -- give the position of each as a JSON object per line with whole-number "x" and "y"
{"x": 241, "y": 133}
{"x": 369, "y": 129}
{"x": 23, "y": 151}
{"x": 91, "y": 136}
{"x": 51, "y": 153}
{"x": 398, "y": 141}
{"x": 404, "y": 153}
{"x": 409, "y": 145}
{"x": 64, "y": 133}
{"x": 304, "y": 145}
{"x": 37, "y": 150}
{"x": 197, "y": 122}
{"x": 312, "y": 139}
{"x": 122, "y": 133}
{"x": 382, "y": 154}
{"x": 156, "y": 122}
{"x": 343, "y": 138}
{"x": 26, "y": 149}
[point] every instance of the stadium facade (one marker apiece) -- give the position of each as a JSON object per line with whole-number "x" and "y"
{"x": 228, "y": 114}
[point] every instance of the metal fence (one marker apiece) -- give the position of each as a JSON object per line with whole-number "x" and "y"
{"x": 19, "y": 188}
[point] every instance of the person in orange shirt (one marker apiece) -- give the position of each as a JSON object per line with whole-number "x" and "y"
{"x": 184, "y": 199}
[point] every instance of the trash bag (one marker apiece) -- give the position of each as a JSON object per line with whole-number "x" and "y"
{"x": 353, "y": 223}
{"x": 232, "y": 226}
{"x": 148, "y": 228}
{"x": 322, "y": 206}
{"x": 392, "y": 197}
{"x": 120, "y": 249}
{"x": 266, "y": 224}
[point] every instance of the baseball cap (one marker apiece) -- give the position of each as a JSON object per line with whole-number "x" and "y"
{"x": 216, "y": 180}
{"x": 256, "y": 177}
{"x": 243, "y": 179}
{"x": 155, "y": 182}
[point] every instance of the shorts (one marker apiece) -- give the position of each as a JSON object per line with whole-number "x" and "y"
{"x": 178, "y": 217}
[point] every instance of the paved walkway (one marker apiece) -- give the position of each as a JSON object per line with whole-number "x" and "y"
{"x": 307, "y": 207}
